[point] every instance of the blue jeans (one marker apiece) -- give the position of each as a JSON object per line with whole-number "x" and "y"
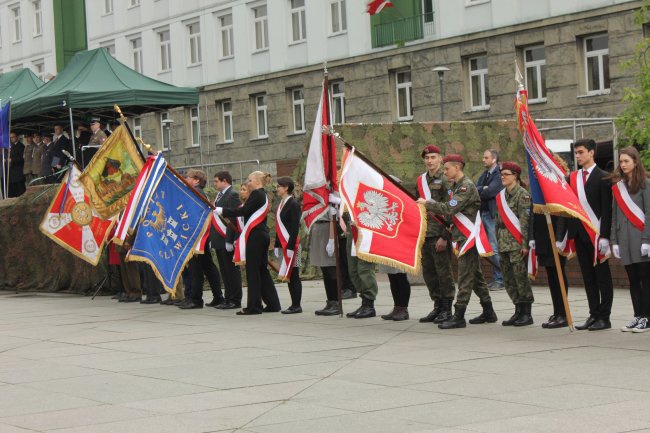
{"x": 490, "y": 228}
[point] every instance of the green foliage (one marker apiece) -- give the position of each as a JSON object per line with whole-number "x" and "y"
{"x": 633, "y": 121}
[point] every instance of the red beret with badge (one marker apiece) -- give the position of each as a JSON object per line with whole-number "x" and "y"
{"x": 454, "y": 157}
{"x": 431, "y": 148}
{"x": 512, "y": 166}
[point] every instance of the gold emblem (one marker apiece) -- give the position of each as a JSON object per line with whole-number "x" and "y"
{"x": 90, "y": 246}
{"x": 54, "y": 221}
{"x": 82, "y": 214}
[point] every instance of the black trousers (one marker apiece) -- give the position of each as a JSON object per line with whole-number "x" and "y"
{"x": 346, "y": 281}
{"x": 329, "y": 280}
{"x": 295, "y": 287}
{"x": 554, "y": 287}
{"x": 260, "y": 283}
{"x": 200, "y": 266}
{"x": 639, "y": 276}
{"x": 231, "y": 275}
{"x": 151, "y": 286}
{"x": 400, "y": 288}
{"x": 16, "y": 189}
{"x": 598, "y": 281}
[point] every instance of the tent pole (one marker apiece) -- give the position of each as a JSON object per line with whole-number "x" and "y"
{"x": 74, "y": 146}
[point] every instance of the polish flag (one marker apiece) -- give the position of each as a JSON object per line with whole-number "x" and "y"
{"x": 376, "y": 6}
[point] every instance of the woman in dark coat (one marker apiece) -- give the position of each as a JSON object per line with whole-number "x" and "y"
{"x": 287, "y": 242}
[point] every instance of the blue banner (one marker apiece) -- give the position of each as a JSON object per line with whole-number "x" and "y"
{"x": 172, "y": 224}
{"x": 535, "y": 190}
{"x": 4, "y": 126}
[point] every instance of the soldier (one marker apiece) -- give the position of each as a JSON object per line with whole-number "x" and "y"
{"x": 463, "y": 199}
{"x": 28, "y": 157}
{"x": 513, "y": 213}
{"x": 362, "y": 274}
{"x": 436, "y": 251}
{"x": 37, "y": 155}
{"x": 96, "y": 140}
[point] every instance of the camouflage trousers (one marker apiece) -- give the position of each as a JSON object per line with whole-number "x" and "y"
{"x": 436, "y": 270}
{"x": 470, "y": 278}
{"x": 514, "y": 268}
{"x": 362, "y": 274}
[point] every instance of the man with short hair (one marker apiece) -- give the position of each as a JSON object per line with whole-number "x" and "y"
{"x": 16, "y": 163}
{"x": 37, "y": 154}
{"x": 489, "y": 185}
{"x": 28, "y": 157}
{"x": 223, "y": 240}
{"x": 60, "y": 142}
{"x": 95, "y": 142}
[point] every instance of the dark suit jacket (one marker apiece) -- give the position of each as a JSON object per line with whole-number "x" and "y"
{"x": 229, "y": 199}
{"x": 488, "y": 195}
{"x": 538, "y": 229}
{"x": 255, "y": 201}
{"x": 16, "y": 153}
{"x": 290, "y": 216}
{"x": 599, "y": 195}
{"x": 57, "y": 151}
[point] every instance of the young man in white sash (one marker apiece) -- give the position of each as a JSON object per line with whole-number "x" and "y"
{"x": 595, "y": 195}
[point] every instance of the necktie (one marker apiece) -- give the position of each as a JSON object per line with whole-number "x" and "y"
{"x": 585, "y": 173}
{"x": 218, "y": 198}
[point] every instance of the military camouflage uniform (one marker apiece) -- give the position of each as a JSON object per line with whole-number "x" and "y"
{"x": 362, "y": 273}
{"x": 514, "y": 266}
{"x": 463, "y": 197}
{"x": 436, "y": 266}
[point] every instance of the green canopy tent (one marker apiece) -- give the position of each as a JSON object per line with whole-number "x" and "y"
{"x": 18, "y": 83}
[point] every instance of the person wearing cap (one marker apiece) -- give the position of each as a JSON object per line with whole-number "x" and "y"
{"x": 37, "y": 153}
{"x": 462, "y": 198}
{"x": 46, "y": 159}
{"x": 436, "y": 249}
{"x": 28, "y": 157}
{"x": 96, "y": 140}
{"x": 514, "y": 210}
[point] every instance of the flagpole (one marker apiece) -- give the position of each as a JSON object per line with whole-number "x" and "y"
{"x": 558, "y": 269}
{"x": 7, "y": 171}
{"x": 74, "y": 145}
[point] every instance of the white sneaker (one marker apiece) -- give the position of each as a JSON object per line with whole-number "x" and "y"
{"x": 631, "y": 324}
{"x": 642, "y": 326}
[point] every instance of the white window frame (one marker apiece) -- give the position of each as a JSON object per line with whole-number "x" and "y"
{"x": 536, "y": 65}
{"x": 39, "y": 68}
{"x": 482, "y": 77}
{"x": 407, "y": 87}
{"x": 110, "y": 47}
{"x": 337, "y": 8}
{"x": 226, "y": 119}
{"x": 165, "y": 50}
{"x": 263, "y": 110}
{"x": 260, "y": 24}
{"x": 601, "y": 62}
{"x": 137, "y": 126}
{"x": 194, "y": 43}
{"x": 17, "y": 33}
{"x": 195, "y": 127}
{"x": 227, "y": 37}
{"x": 136, "y": 53}
{"x": 38, "y": 18}
{"x": 163, "y": 133}
{"x": 108, "y": 7}
{"x": 298, "y": 103}
{"x": 298, "y": 22}
{"x": 134, "y": 4}
{"x": 337, "y": 101}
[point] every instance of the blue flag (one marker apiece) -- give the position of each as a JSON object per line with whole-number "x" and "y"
{"x": 4, "y": 126}
{"x": 535, "y": 190}
{"x": 174, "y": 221}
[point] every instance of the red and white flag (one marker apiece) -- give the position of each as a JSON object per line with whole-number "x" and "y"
{"x": 631, "y": 210}
{"x": 376, "y": 6}
{"x": 320, "y": 171}
{"x": 390, "y": 225}
{"x": 567, "y": 247}
{"x": 474, "y": 233}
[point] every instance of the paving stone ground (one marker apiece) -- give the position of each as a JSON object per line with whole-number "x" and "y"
{"x": 69, "y": 364}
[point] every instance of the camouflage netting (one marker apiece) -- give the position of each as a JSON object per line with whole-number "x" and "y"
{"x": 32, "y": 262}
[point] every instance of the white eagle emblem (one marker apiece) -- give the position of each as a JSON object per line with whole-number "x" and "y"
{"x": 377, "y": 211}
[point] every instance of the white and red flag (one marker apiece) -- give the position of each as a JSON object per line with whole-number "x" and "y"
{"x": 390, "y": 225}
{"x": 474, "y": 233}
{"x": 376, "y": 6}
{"x": 320, "y": 171}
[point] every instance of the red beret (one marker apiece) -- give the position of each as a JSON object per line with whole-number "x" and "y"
{"x": 512, "y": 166}
{"x": 454, "y": 157}
{"x": 431, "y": 148}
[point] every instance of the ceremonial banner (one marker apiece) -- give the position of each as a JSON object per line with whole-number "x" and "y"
{"x": 5, "y": 114}
{"x": 391, "y": 225}
{"x": 71, "y": 222}
{"x": 320, "y": 171}
{"x": 375, "y": 6}
{"x": 111, "y": 174}
{"x": 174, "y": 221}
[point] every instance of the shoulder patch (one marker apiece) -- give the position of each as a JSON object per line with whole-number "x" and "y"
{"x": 437, "y": 181}
{"x": 453, "y": 203}
{"x": 463, "y": 189}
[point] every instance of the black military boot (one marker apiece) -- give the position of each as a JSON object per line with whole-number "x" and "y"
{"x": 514, "y": 317}
{"x": 445, "y": 311}
{"x": 331, "y": 309}
{"x": 488, "y": 315}
{"x": 367, "y": 309}
{"x": 353, "y": 314}
{"x": 456, "y": 321}
{"x": 400, "y": 313}
{"x": 525, "y": 318}
{"x": 433, "y": 314}
{"x": 390, "y": 315}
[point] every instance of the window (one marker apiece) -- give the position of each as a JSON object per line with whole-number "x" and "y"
{"x": 134, "y": 3}
{"x": 137, "y": 126}
{"x": 261, "y": 118}
{"x": 38, "y": 18}
{"x": 427, "y": 10}
{"x": 39, "y": 69}
{"x": 194, "y": 34}
{"x": 226, "y": 118}
{"x": 108, "y": 7}
{"x": 165, "y": 51}
{"x": 194, "y": 125}
{"x": 337, "y": 107}
{"x": 261, "y": 28}
{"x": 18, "y": 31}
{"x": 298, "y": 110}
{"x": 165, "y": 129}
{"x": 475, "y": 2}
{"x": 298, "y": 27}
{"x": 404, "y": 95}
{"x": 535, "y": 66}
{"x": 479, "y": 94}
{"x": 596, "y": 49}
{"x": 339, "y": 17}
{"x": 110, "y": 47}
{"x": 227, "y": 39}
{"x": 136, "y": 53}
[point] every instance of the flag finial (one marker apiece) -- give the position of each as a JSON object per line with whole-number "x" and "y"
{"x": 518, "y": 77}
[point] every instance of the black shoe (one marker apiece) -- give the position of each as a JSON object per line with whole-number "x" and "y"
{"x": 215, "y": 302}
{"x": 433, "y": 314}
{"x": 131, "y": 299}
{"x": 445, "y": 311}
{"x": 390, "y": 315}
{"x": 367, "y": 309}
{"x": 178, "y": 303}
{"x": 525, "y": 317}
{"x": 550, "y": 319}
{"x": 292, "y": 310}
{"x": 511, "y": 321}
{"x": 352, "y": 314}
{"x": 348, "y": 294}
{"x": 487, "y": 316}
{"x": 152, "y": 300}
{"x": 557, "y": 322}
{"x": 456, "y": 321}
{"x": 269, "y": 309}
{"x": 228, "y": 305}
{"x": 247, "y": 312}
{"x": 600, "y": 325}
{"x": 168, "y": 301}
{"x": 401, "y": 313}
{"x": 190, "y": 306}
{"x": 331, "y": 309}
{"x": 590, "y": 321}
{"x": 117, "y": 295}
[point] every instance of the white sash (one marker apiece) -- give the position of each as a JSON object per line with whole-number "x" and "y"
{"x": 286, "y": 261}
{"x": 631, "y": 210}
{"x": 256, "y": 218}
{"x": 423, "y": 187}
{"x": 509, "y": 218}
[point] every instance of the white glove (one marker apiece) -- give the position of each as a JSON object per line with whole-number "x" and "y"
{"x": 531, "y": 245}
{"x": 218, "y": 211}
{"x": 290, "y": 253}
{"x": 276, "y": 252}
{"x": 330, "y": 247}
{"x": 645, "y": 250}
{"x": 603, "y": 246}
{"x": 617, "y": 251}
{"x": 333, "y": 211}
{"x": 230, "y": 247}
{"x": 558, "y": 245}
{"x": 334, "y": 199}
